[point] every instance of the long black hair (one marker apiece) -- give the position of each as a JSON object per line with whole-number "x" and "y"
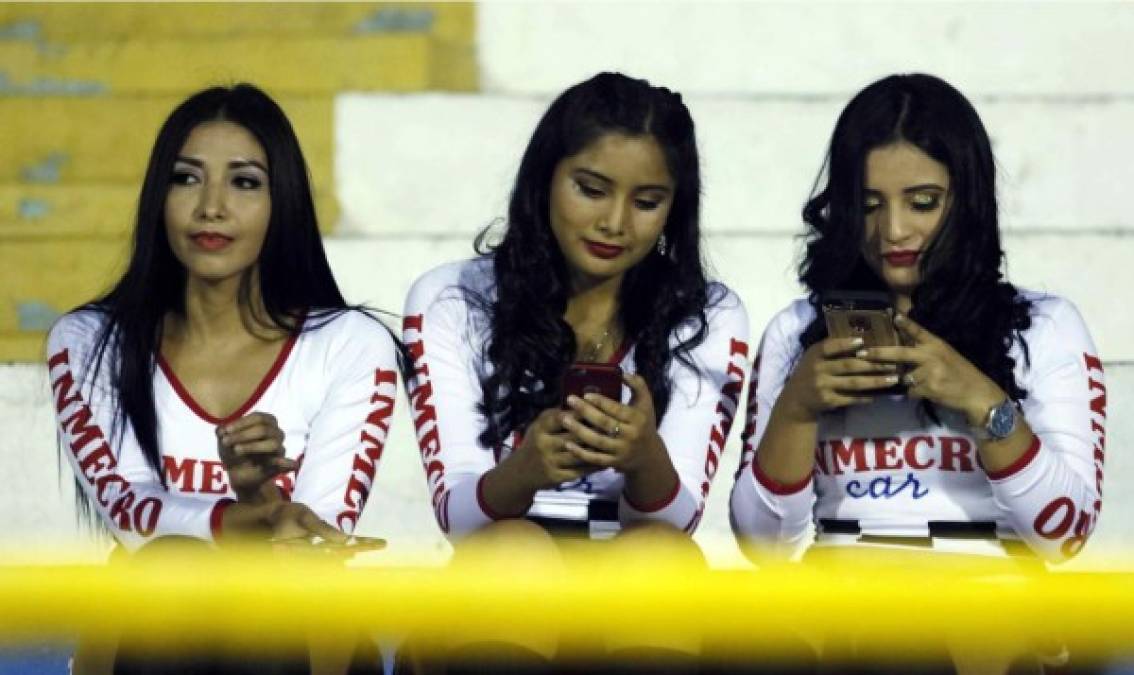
{"x": 962, "y": 297}
{"x": 531, "y": 343}
{"x": 294, "y": 276}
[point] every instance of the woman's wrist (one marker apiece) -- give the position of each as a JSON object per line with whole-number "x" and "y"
{"x": 653, "y": 479}
{"x": 980, "y": 403}
{"x": 266, "y": 493}
{"x": 507, "y": 487}
{"x": 790, "y": 409}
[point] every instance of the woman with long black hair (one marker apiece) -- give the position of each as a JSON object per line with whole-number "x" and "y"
{"x": 224, "y": 386}
{"x": 982, "y": 432}
{"x": 599, "y": 265}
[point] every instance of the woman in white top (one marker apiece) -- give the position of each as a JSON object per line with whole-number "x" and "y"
{"x": 223, "y": 385}
{"x": 994, "y": 441}
{"x": 600, "y": 262}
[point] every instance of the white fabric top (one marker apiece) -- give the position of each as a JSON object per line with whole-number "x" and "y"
{"x": 893, "y": 470}
{"x": 446, "y": 337}
{"x": 331, "y": 390}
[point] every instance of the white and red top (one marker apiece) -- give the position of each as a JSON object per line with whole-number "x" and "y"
{"x": 446, "y": 337}
{"x": 890, "y": 468}
{"x": 331, "y": 390}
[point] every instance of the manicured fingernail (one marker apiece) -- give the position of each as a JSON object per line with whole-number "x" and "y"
{"x": 572, "y": 400}
{"x": 892, "y": 379}
{"x": 899, "y": 318}
{"x": 591, "y": 398}
{"x": 862, "y": 353}
{"x": 857, "y": 342}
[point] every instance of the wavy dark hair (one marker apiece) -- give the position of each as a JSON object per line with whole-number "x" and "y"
{"x": 963, "y": 297}
{"x": 295, "y": 279}
{"x": 531, "y": 344}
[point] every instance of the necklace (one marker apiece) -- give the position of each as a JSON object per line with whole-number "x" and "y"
{"x": 594, "y": 350}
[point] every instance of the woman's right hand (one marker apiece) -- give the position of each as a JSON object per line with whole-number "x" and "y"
{"x": 831, "y": 376}
{"x": 543, "y": 459}
{"x": 252, "y": 451}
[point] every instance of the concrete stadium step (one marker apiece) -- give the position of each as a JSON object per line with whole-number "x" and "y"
{"x": 109, "y": 138}
{"x": 60, "y": 22}
{"x": 759, "y": 157}
{"x": 296, "y": 65}
{"x": 41, "y": 279}
{"x": 45, "y": 212}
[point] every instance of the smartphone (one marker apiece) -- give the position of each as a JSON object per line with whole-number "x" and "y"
{"x": 592, "y": 378}
{"x": 863, "y": 314}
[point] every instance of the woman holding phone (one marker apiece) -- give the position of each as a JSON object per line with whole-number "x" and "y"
{"x": 599, "y": 265}
{"x": 993, "y": 441}
{"x": 223, "y": 388}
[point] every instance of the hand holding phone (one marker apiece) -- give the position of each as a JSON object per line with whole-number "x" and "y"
{"x": 581, "y": 379}
{"x": 861, "y": 314}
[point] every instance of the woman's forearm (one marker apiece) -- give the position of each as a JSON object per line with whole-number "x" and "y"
{"x": 504, "y": 491}
{"x": 654, "y": 481}
{"x": 786, "y": 453}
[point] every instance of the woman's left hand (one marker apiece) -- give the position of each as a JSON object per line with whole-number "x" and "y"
{"x": 608, "y": 434}
{"x": 939, "y": 373}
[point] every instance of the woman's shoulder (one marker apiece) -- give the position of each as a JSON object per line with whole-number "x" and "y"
{"x": 792, "y": 319}
{"x": 349, "y": 334}
{"x": 1054, "y": 318}
{"x": 722, "y": 301}
{"x": 78, "y": 328}
{"x": 450, "y": 280}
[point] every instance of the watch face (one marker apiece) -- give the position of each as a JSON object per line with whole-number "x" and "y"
{"x": 1002, "y": 421}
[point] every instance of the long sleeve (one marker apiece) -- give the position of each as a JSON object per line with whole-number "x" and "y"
{"x": 1053, "y": 494}
{"x": 700, "y": 414}
{"x": 349, "y": 432}
{"x": 122, "y": 488}
{"x": 444, "y": 394}
{"x": 772, "y": 517}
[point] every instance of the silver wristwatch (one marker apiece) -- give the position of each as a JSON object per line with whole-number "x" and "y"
{"x": 1000, "y": 422}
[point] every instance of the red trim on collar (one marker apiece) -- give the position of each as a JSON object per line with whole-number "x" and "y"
{"x": 265, "y": 382}
{"x": 620, "y": 353}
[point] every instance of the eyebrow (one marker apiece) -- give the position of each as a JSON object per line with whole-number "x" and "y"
{"x": 234, "y": 164}
{"x": 609, "y": 181}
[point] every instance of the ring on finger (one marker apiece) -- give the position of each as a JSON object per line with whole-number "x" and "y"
{"x": 911, "y": 381}
{"x": 617, "y": 430}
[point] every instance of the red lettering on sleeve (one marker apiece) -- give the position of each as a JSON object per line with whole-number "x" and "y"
{"x": 1061, "y": 506}
{"x": 146, "y": 515}
{"x": 97, "y": 461}
{"x": 82, "y": 431}
{"x": 120, "y": 511}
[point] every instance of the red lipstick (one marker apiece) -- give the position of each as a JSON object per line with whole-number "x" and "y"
{"x": 902, "y": 258}
{"x": 211, "y": 241}
{"x": 604, "y": 251}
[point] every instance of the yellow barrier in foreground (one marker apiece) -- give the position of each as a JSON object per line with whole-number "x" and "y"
{"x": 265, "y": 600}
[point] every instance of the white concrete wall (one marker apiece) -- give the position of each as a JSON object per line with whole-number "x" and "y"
{"x": 810, "y": 48}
